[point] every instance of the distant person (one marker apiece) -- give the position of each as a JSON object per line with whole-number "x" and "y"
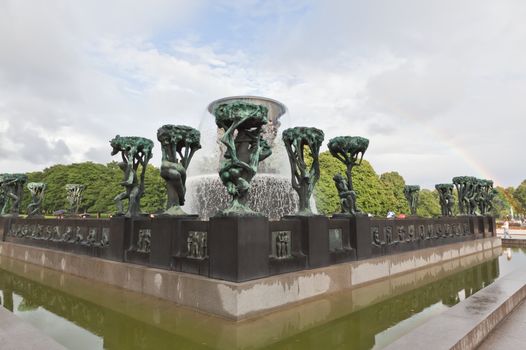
{"x": 506, "y": 228}
{"x": 391, "y": 214}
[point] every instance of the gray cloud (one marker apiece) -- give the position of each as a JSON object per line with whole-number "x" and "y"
{"x": 33, "y": 148}
{"x": 438, "y": 86}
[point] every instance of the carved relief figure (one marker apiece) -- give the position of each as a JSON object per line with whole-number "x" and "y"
{"x": 144, "y": 240}
{"x": 197, "y": 245}
{"x": 282, "y": 245}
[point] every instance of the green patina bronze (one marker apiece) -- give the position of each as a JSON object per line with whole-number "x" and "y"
{"x": 349, "y": 150}
{"x": 304, "y": 178}
{"x": 135, "y": 151}
{"x": 411, "y": 194}
{"x": 12, "y": 187}
{"x": 178, "y": 144}
{"x": 3, "y": 196}
{"x": 485, "y": 197}
{"x": 475, "y": 196}
{"x": 74, "y": 197}
{"x": 445, "y": 193}
{"x": 34, "y": 209}
{"x": 242, "y": 125}
{"x": 467, "y": 188}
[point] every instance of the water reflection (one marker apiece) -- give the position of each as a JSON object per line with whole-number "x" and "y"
{"x": 361, "y": 318}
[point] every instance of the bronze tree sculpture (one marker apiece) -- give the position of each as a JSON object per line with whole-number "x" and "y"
{"x": 135, "y": 151}
{"x": 34, "y": 209}
{"x": 445, "y": 193}
{"x": 242, "y": 125}
{"x": 411, "y": 194}
{"x": 12, "y": 187}
{"x": 304, "y": 178}
{"x": 178, "y": 145}
{"x": 485, "y": 197}
{"x": 349, "y": 150}
{"x": 464, "y": 190}
{"x": 474, "y": 195}
{"x": 74, "y": 197}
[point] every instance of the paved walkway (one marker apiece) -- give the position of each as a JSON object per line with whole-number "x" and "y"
{"x": 16, "y": 334}
{"x": 519, "y": 234}
{"x": 510, "y": 334}
{"x": 468, "y": 323}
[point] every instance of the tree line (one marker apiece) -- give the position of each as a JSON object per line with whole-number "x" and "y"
{"x": 376, "y": 194}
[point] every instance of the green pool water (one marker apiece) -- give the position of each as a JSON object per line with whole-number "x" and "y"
{"x": 81, "y": 314}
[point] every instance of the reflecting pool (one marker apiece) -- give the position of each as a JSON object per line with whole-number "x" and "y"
{"x": 82, "y": 314}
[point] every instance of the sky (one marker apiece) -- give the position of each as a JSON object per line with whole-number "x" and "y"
{"x": 438, "y": 87}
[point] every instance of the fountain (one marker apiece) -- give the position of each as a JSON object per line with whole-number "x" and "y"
{"x": 270, "y": 194}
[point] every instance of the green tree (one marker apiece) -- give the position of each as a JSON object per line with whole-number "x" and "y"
{"x": 102, "y": 185}
{"x": 394, "y": 183}
{"x": 519, "y": 194}
{"x": 154, "y": 199}
{"x": 428, "y": 203}
{"x": 372, "y": 196}
{"x": 506, "y": 199}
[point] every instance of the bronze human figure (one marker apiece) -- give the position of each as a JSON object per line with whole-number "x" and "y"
{"x": 134, "y": 151}
{"x": 74, "y": 197}
{"x": 34, "y": 209}
{"x": 411, "y": 194}
{"x": 12, "y": 188}
{"x": 242, "y": 125}
{"x": 297, "y": 140}
{"x": 349, "y": 150}
{"x": 445, "y": 193}
{"x": 178, "y": 145}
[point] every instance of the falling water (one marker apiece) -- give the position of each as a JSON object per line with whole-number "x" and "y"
{"x": 271, "y": 192}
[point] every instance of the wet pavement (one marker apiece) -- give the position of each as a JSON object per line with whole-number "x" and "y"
{"x": 510, "y": 334}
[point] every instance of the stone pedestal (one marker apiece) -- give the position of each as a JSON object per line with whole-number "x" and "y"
{"x": 163, "y": 230}
{"x": 167, "y": 238}
{"x": 485, "y": 225}
{"x": 492, "y": 226}
{"x": 314, "y": 232}
{"x": 133, "y": 253}
{"x": 361, "y": 238}
{"x": 4, "y": 227}
{"x": 340, "y": 248}
{"x": 476, "y": 224}
{"x": 238, "y": 247}
{"x": 190, "y": 247}
{"x": 293, "y": 258}
{"x": 119, "y": 225}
